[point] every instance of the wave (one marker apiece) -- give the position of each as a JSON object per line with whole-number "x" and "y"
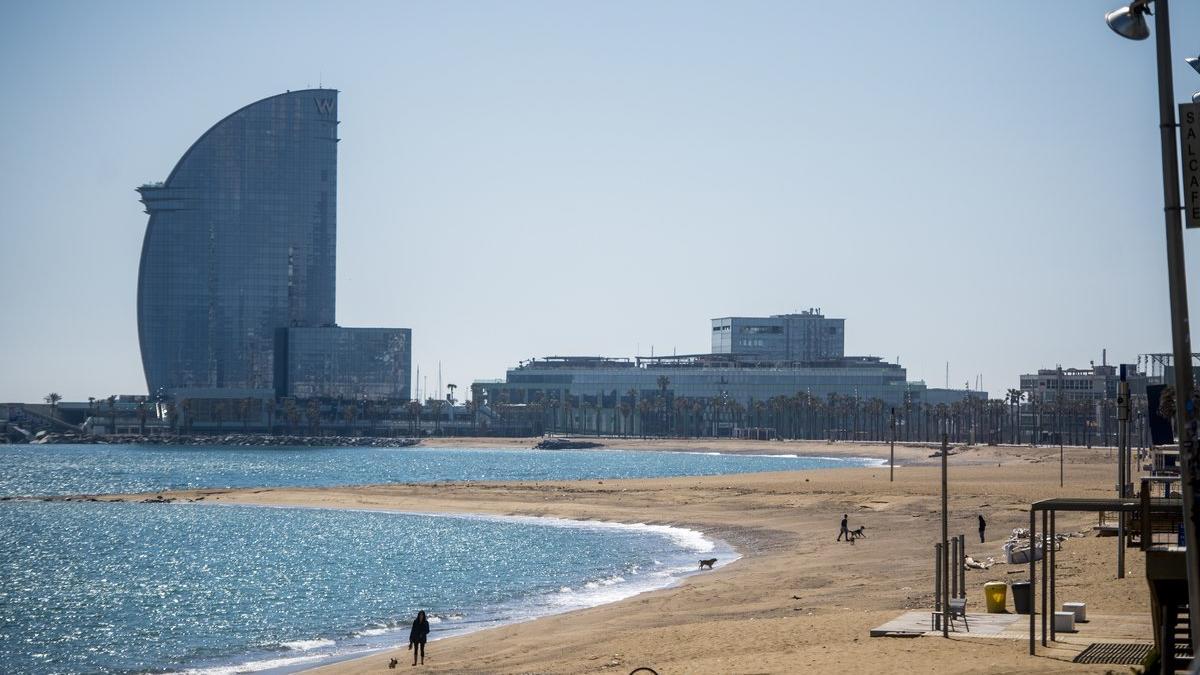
{"x": 592, "y": 593}
{"x": 306, "y": 645}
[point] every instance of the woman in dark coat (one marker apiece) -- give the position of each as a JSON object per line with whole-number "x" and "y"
{"x": 416, "y": 636}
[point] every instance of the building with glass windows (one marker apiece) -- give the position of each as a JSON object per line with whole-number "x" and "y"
{"x": 242, "y": 242}
{"x": 700, "y": 376}
{"x": 356, "y": 363}
{"x": 781, "y": 338}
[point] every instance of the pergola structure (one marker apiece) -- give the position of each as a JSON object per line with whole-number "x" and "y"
{"x": 1147, "y": 509}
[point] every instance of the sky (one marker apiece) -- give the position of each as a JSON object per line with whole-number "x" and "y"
{"x": 976, "y": 183}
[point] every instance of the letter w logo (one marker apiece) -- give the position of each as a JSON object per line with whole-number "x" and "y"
{"x": 324, "y": 105}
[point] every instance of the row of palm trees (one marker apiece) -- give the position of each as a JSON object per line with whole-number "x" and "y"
{"x": 308, "y": 415}
{"x": 1014, "y": 419}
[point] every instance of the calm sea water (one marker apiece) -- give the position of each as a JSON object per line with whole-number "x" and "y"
{"x": 125, "y": 588}
{"x": 128, "y": 588}
{"x": 96, "y": 469}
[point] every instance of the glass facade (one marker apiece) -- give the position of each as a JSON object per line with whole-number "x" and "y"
{"x": 241, "y": 241}
{"x": 781, "y": 338}
{"x": 862, "y": 380}
{"x": 336, "y": 362}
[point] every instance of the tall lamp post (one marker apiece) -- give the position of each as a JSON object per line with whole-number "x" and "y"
{"x": 1130, "y": 22}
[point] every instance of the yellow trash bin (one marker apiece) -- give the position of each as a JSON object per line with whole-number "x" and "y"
{"x": 996, "y": 593}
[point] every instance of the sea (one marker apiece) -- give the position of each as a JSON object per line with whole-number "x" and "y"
{"x": 120, "y": 587}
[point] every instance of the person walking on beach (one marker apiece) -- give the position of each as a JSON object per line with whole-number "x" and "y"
{"x": 982, "y": 527}
{"x": 416, "y": 636}
{"x": 845, "y": 531}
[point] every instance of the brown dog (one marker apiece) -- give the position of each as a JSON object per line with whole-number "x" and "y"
{"x": 707, "y": 563}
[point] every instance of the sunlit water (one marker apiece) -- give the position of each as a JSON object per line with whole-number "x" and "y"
{"x": 121, "y": 587}
{"x": 96, "y": 469}
{"x": 127, "y": 587}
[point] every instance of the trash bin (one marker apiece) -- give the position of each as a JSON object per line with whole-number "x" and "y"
{"x": 996, "y": 594}
{"x": 1021, "y": 596}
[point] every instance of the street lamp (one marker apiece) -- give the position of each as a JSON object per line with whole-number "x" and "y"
{"x": 1130, "y": 22}
{"x": 1194, "y": 62}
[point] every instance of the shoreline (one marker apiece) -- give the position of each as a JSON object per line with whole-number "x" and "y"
{"x": 684, "y": 538}
{"x": 797, "y": 600}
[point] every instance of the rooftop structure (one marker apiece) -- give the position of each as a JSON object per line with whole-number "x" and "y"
{"x": 785, "y": 338}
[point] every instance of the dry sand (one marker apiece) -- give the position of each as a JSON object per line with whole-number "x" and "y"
{"x": 797, "y": 601}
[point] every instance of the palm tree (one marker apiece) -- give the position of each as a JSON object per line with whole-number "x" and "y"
{"x": 414, "y": 416}
{"x": 185, "y": 406}
{"x": 292, "y": 414}
{"x": 141, "y": 413}
{"x": 681, "y": 407}
{"x": 312, "y": 412}
{"x": 244, "y": 411}
{"x": 53, "y": 398}
{"x": 349, "y": 413}
{"x": 626, "y": 410}
{"x": 436, "y": 406}
{"x": 644, "y": 407}
{"x": 1013, "y": 398}
{"x": 663, "y": 382}
{"x": 568, "y": 411}
{"x": 219, "y": 414}
{"x": 633, "y": 405}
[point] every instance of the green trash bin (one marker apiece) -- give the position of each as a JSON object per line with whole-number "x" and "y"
{"x": 996, "y": 594}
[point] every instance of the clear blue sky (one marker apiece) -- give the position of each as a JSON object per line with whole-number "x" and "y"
{"x": 976, "y": 183}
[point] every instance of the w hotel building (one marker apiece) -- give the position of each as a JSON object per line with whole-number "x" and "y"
{"x": 238, "y": 267}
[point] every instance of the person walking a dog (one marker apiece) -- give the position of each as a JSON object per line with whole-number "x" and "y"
{"x": 845, "y": 531}
{"x": 417, "y": 636}
{"x": 982, "y": 527}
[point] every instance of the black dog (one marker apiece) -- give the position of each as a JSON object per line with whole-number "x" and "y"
{"x": 392, "y": 663}
{"x": 707, "y": 563}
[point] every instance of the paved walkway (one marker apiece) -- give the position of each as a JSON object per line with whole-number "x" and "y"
{"x": 1135, "y": 628}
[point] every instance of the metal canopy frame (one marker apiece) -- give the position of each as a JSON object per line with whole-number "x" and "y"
{"x": 1049, "y": 508}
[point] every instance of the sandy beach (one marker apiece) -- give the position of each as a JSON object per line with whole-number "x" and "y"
{"x": 797, "y": 601}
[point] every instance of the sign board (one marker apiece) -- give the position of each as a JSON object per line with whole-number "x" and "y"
{"x": 1161, "y": 431}
{"x": 1189, "y": 143}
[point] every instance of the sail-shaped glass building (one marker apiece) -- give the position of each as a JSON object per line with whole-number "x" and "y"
{"x": 241, "y": 242}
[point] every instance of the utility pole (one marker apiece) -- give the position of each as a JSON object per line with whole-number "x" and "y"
{"x": 1122, "y": 453}
{"x": 1058, "y": 401}
{"x": 945, "y": 552}
{"x": 1185, "y": 406}
{"x": 892, "y": 471}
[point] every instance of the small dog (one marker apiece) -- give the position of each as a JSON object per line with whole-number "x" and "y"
{"x": 707, "y": 563}
{"x": 859, "y": 533}
{"x": 392, "y": 663}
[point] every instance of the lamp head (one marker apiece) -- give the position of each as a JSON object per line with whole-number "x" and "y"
{"x": 1194, "y": 62}
{"x": 1129, "y": 22}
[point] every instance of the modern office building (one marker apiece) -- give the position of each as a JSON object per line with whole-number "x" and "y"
{"x": 920, "y": 394}
{"x": 781, "y": 338}
{"x": 701, "y": 376}
{"x": 799, "y": 354}
{"x": 1096, "y": 383}
{"x": 242, "y": 243}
